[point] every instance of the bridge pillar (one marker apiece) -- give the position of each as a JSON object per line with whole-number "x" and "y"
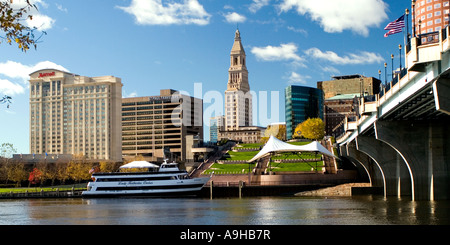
{"x": 425, "y": 148}
{"x": 369, "y": 166}
{"x": 396, "y": 178}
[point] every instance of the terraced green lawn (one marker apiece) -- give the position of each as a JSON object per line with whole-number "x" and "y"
{"x": 229, "y": 168}
{"x": 276, "y": 167}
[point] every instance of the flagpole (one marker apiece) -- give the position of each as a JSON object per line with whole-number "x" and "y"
{"x": 405, "y": 34}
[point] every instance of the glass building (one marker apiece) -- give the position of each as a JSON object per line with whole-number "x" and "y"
{"x": 216, "y": 124}
{"x": 301, "y": 103}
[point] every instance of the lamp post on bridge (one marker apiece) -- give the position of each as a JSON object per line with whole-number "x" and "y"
{"x": 385, "y": 74}
{"x": 400, "y": 51}
{"x": 392, "y": 66}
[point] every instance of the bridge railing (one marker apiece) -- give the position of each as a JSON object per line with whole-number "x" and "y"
{"x": 420, "y": 51}
{"x": 423, "y": 48}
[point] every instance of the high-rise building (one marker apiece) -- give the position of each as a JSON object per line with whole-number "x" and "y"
{"x": 430, "y": 15}
{"x": 216, "y": 124}
{"x": 238, "y": 100}
{"x": 157, "y": 126}
{"x": 301, "y": 103}
{"x": 349, "y": 84}
{"x": 340, "y": 99}
{"x": 72, "y": 114}
{"x": 337, "y": 109}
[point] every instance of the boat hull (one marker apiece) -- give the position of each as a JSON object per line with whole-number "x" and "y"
{"x": 189, "y": 187}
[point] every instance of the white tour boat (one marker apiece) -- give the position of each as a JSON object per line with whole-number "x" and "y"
{"x": 166, "y": 180}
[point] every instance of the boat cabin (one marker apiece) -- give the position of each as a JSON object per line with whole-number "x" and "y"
{"x": 168, "y": 167}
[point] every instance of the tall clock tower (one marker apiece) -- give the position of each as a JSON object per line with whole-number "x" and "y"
{"x": 238, "y": 100}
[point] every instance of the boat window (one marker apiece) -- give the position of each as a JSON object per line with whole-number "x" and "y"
{"x": 134, "y": 179}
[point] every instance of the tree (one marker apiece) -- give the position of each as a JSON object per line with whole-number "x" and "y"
{"x": 17, "y": 173}
{"x": 35, "y": 177}
{"x": 11, "y": 25}
{"x": 313, "y": 128}
{"x": 61, "y": 172}
{"x": 6, "y": 100}
{"x": 7, "y": 150}
{"x": 277, "y": 130}
{"x": 107, "y": 166}
{"x": 49, "y": 171}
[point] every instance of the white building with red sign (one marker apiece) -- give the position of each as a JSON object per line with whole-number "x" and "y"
{"x": 73, "y": 114}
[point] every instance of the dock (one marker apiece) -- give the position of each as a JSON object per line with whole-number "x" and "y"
{"x": 73, "y": 193}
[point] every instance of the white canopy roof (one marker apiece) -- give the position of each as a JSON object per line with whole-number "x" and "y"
{"x": 276, "y": 145}
{"x": 139, "y": 164}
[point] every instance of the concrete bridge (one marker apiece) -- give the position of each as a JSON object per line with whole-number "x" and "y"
{"x": 401, "y": 138}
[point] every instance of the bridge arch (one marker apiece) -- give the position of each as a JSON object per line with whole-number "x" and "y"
{"x": 371, "y": 168}
{"x": 391, "y": 163}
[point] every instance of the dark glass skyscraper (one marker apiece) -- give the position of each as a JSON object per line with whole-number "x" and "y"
{"x": 301, "y": 103}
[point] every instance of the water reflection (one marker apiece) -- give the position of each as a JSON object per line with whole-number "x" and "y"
{"x": 366, "y": 210}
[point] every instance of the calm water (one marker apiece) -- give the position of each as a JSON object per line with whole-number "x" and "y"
{"x": 366, "y": 210}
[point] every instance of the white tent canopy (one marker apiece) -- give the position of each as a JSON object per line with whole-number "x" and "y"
{"x": 276, "y": 145}
{"x": 139, "y": 164}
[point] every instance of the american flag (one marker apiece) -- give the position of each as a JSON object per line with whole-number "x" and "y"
{"x": 395, "y": 26}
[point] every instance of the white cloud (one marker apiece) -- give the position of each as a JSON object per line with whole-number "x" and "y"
{"x": 39, "y": 20}
{"x": 298, "y": 78}
{"x": 330, "y": 69}
{"x": 14, "y": 69}
{"x": 129, "y": 95}
{"x": 234, "y": 18}
{"x": 361, "y": 58}
{"x": 61, "y": 8}
{"x": 298, "y": 30}
{"x": 229, "y": 7}
{"x": 19, "y": 73}
{"x": 339, "y": 15}
{"x": 154, "y": 12}
{"x": 283, "y": 52}
{"x": 257, "y": 5}
{"x": 10, "y": 88}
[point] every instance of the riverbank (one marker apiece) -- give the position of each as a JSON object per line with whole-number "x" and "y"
{"x": 339, "y": 190}
{"x": 225, "y": 191}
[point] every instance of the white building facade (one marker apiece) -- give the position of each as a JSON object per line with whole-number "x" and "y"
{"x": 72, "y": 114}
{"x": 238, "y": 99}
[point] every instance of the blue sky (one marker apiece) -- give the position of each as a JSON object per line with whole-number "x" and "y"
{"x": 159, "y": 44}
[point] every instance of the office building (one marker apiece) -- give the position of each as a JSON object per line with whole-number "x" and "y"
{"x": 301, "y": 103}
{"x": 73, "y": 114}
{"x": 430, "y": 15}
{"x": 338, "y": 109}
{"x": 349, "y": 84}
{"x": 156, "y": 127}
{"x": 249, "y": 134}
{"x": 216, "y": 124}
{"x": 341, "y": 99}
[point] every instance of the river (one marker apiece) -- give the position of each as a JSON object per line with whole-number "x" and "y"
{"x": 360, "y": 210}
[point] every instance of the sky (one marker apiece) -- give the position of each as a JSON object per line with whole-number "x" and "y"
{"x": 185, "y": 45}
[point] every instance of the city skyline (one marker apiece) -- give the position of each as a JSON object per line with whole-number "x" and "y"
{"x": 159, "y": 45}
